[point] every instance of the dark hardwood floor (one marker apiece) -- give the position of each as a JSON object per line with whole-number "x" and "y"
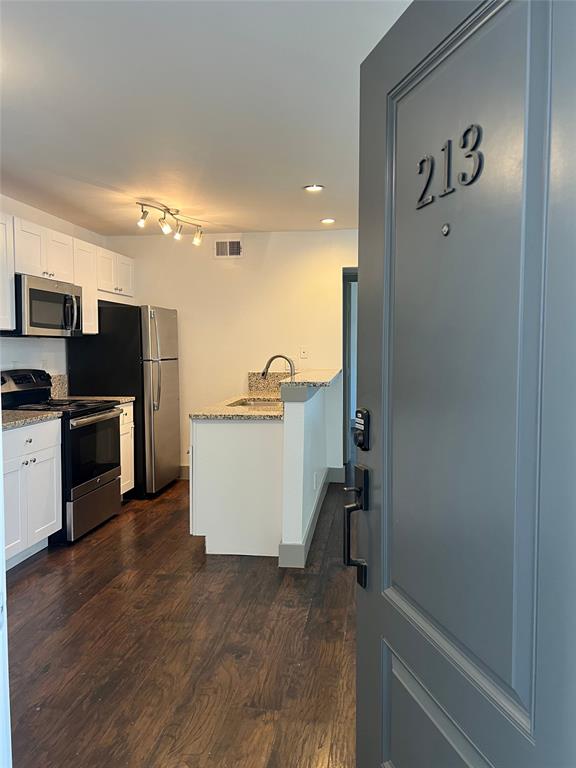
{"x": 134, "y": 648}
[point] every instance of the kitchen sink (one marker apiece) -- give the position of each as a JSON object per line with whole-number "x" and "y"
{"x": 255, "y": 403}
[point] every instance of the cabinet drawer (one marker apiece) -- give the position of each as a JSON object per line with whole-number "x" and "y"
{"x": 127, "y": 415}
{"x": 22, "y": 440}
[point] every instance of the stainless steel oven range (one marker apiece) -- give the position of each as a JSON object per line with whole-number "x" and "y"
{"x": 90, "y": 450}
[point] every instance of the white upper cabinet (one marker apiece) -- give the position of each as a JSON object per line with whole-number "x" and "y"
{"x": 125, "y": 274}
{"x": 43, "y": 252}
{"x": 30, "y": 248}
{"x": 59, "y": 256}
{"x": 86, "y": 276}
{"x": 7, "y": 298}
{"x": 106, "y": 270}
{"x": 115, "y": 273}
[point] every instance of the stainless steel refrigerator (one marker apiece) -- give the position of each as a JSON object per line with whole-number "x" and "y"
{"x": 135, "y": 353}
{"x": 161, "y": 395}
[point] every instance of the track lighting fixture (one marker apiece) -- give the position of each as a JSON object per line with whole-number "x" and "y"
{"x": 164, "y": 226}
{"x": 179, "y": 221}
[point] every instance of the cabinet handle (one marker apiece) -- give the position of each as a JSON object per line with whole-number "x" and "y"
{"x": 52, "y": 274}
{"x": 121, "y": 289}
{"x": 28, "y": 440}
{"x": 32, "y": 461}
{"x": 25, "y": 463}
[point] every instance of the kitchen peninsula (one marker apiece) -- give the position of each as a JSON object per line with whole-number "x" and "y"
{"x": 260, "y": 464}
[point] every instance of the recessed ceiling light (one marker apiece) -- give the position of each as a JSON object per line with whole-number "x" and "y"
{"x": 314, "y": 187}
{"x": 328, "y": 221}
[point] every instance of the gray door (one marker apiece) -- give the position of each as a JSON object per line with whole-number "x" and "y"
{"x": 467, "y": 362}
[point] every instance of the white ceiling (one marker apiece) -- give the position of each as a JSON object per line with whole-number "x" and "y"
{"x": 221, "y": 109}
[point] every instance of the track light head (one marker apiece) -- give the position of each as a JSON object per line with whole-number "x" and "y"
{"x": 142, "y": 220}
{"x": 178, "y": 233}
{"x": 164, "y": 226}
{"x": 198, "y": 235}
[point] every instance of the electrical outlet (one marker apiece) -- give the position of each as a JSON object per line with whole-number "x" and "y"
{"x": 303, "y": 353}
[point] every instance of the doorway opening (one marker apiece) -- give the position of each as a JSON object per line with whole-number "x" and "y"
{"x": 349, "y": 362}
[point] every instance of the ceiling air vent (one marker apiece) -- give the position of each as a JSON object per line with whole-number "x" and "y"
{"x": 229, "y": 249}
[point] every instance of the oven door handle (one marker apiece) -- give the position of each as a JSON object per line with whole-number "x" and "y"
{"x": 84, "y": 421}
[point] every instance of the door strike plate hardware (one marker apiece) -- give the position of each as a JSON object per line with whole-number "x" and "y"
{"x": 361, "y": 494}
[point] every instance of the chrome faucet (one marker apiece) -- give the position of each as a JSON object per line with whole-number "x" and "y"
{"x": 282, "y": 357}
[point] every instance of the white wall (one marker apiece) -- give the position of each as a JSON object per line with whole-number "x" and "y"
{"x": 312, "y": 446}
{"x": 40, "y": 353}
{"x": 284, "y": 293}
{"x": 25, "y": 211}
{"x": 49, "y": 354}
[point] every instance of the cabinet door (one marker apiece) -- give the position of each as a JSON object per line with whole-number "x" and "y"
{"x": 107, "y": 271}
{"x": 59, "y": 256}
{"x": 7, "y": 315}
{"x": 127, "y": 458}
{"x": 30, "y": 248}
{"x": 15, "y": 526}
{"x": 44, "y": 494}
{"x": 125, "y": 275}
{"x": 86, "y": 276}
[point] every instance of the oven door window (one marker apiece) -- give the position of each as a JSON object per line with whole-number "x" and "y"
{"x": 49, "y": 310}
{"x": 94, "y": 450}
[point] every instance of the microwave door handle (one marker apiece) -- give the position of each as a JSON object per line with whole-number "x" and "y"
{"x": 67, "y": 308}
{"x": 75, "y": 312}
{"x": 75, "y": 315}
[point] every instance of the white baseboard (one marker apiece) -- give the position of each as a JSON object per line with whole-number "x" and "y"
{"x": 21, "y": 556}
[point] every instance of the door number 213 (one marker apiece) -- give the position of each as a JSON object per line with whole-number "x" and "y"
{"x": 469, "y": 142}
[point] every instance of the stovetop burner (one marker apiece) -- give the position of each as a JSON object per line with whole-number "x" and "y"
{"x": 84, "y": 407}
{"x": 29, "y": 390}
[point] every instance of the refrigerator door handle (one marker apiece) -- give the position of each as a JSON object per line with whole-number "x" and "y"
{"x": 158, "y": 386}
{"x": 154, "y": 317}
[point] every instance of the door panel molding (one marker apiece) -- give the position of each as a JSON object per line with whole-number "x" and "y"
{"x": 513, "y": 720}
{"x": 462, "y": 661}
{"x": 514, "y": 696}
{"x": 445, "y": 725}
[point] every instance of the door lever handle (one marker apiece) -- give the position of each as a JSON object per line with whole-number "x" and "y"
{"x": 360, "y": 491}
{"x": 360, "y": 565}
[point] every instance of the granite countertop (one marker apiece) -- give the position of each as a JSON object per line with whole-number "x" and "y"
{"x": 226, "y": 411}
{"x": 15, "y": 419}
{"x": 321, "y": 377}
{"x": 302, "y": 386}
{"x": 121, "y": 398}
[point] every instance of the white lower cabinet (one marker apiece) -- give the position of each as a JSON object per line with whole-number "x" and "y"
{"x": 32, "y": 485}
{"x": 15, "y": 518}
{"x": 127, "y": 448}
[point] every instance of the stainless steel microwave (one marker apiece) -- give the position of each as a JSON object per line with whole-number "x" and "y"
{"x": 47, "y": 307}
